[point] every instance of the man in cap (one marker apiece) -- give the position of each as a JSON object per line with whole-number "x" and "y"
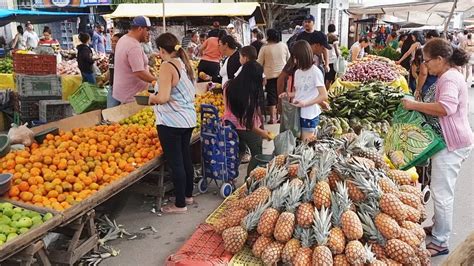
{"x": 308, "y": 25}
{"x": 319, "y": 45}
{"x": 131, "y": 63}
{"x": 231, "y": 31}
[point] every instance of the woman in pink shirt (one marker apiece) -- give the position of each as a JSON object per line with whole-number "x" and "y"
{"x": 450, "y": 106}
{"x": 211, "y": 55}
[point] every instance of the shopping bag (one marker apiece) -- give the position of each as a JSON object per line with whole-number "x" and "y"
{"x": 284, "y": 143}
{"x": 414, "y": 137}
{"x": 290, "y": 118}
{"x": 340, "y": 65}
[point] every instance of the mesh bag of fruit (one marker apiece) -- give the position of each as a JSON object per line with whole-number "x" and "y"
{"x": 413, "y": 137}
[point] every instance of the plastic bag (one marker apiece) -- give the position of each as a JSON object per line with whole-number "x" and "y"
{"x": 284, "y": 143}
{"x": 414, "y": 137}
{"x": 21, "y": 135}
{"x": 290, "y": 118}
{"x": 340, "y": 65}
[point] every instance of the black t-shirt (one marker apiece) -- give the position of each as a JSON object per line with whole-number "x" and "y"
{"x": 111, "y": 69}
{"x": 258, "y": 45}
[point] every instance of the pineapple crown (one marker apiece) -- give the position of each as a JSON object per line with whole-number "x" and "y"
{"x": 276, "y": 176}
{"x": 307, "y": 237}
{"x": 369, "y": 254}
{"x": 298, "y": 232}
{"x": 370, "y": 230}
{"x": 369, "y": 187}
{"x": 292, "y": 201}
{"x": 366, "y": 140}
{"x": 279, "y": 195}
{"x": 342, "y": 196}
{"x": 322, "y": 225}
{"x": 336, "y": 210}
{"x": 251, "y": 220}
{"x": 309, "y": 185}
{"x": 324, "y": 164}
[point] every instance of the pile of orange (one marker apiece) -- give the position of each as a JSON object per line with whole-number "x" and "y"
{"x": 69, "y": 167}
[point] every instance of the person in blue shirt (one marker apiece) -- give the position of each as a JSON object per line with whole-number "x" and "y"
{"x": 98, "y": 40}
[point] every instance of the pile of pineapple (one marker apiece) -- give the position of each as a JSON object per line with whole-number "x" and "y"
{"x": 331, "y": 202}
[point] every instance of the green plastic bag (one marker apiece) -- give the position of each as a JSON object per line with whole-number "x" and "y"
{"x": 412, "y": 135}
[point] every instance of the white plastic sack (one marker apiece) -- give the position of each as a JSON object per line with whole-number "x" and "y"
{"x": 21, "y": 135}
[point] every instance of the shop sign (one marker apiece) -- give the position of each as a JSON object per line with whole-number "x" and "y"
{"x": 57, "y": 3}
{"x": 96, "y": 2}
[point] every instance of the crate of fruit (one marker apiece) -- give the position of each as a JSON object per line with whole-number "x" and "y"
{"x": 38, "y": 86}
{"x": 52, "y": 110}
{"x": 87, "y": 98}
{"x": 34, "y": 64}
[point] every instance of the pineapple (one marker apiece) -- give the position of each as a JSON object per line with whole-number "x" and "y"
{"x": 231, "y": 219}
{"x": 366, "y": 145}
{"x": 371, "y": 258}
{"x": 252, "y": 238}
{"x": 333, "y": 178}
{"x": 276, "y": 176}
{"x": 391, "y": 262}
{"x": 413, "y": 190}
{"x": 397, "y": 158}
{"x": 350, "y": 222}
{"x": 410, "y": 238}
{"x": 305, "y": 212}
{"x": 322, "y": 191}
{"x": 279, "y": 160}
{"x": 373, "y": 235}
{"x": 303, "y": 256}
{"x": 401, "y": 252}
{"x": 260, "y": 245}
{"x": 388, "y": 202}
{"x": 385, "y": 183}
{"x": 341, "y": 260}
{"x": 355, "y": 253}
{"x": 291, "y": 247}
{"x": 375, "y": 221}
{"x": 322, "y": 223}
{"x": 413, "y": 215}
{"x": 363, "y": 161}
{"x": 376, "y": 157}
{"x": 235, "y": 237}
{"x": 296, "y": 182}
{"x": 267, "y": 222}
{"x": 271, "y": 255}
{"x": 349, "y": 137}
{"x": 409, "y": 199}
{"x": 293, "y": 170}
{"x": 285, "y": 225}
{"x": 355, "y": 193}
{"x": 415, "y": 228}
{"x": 344, "y": 171}
{"x": 337, "y": 239}
{"x": 258, "y": 173}
{"x": 423, "y": 255}
{"x": 400, "y": 177}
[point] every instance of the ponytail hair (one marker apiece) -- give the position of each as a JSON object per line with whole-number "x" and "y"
{"x": 442, "y": 48}
{"x": 170, "y": 44}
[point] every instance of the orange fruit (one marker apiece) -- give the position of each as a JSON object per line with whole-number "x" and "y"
{"x": 14, "y": 191}
{"x": 24, "y": 186}
{"x": 26, "y": 196}
{"x": 52, "y": 194}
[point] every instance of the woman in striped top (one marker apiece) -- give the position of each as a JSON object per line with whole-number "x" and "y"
{"x": 175, "y": 117}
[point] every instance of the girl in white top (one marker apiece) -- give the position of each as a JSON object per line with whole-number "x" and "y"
{"x": 310, "y": 90}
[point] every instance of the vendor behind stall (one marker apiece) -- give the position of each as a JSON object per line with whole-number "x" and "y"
{"x": 85, "y": 59}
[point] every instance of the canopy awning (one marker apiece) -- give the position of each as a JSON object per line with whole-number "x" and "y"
{"x": 35, "y": 17}
{"x": 431, "y": 12}
{"x": 242, "y": 9}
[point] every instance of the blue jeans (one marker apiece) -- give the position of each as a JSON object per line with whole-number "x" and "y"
{"x": 111, "y": 101}
{"x": 309, "y": 125}
{"x": 88, "y": 77}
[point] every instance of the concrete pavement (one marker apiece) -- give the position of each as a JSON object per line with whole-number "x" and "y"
{"x": 153, "y": 248}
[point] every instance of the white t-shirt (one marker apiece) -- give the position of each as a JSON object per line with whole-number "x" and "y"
{"x": 31, "y": 39}
{"x": 223, "y": 72}
{"x": 306, "y": 89}
{"x": 332, "y": 53}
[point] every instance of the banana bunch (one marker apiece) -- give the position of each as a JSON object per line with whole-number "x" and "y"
{"x": 338, "y": 126}
{"x": 374, "y": 101}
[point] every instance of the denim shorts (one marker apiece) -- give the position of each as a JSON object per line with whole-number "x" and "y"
{"x": 309, "y": 125}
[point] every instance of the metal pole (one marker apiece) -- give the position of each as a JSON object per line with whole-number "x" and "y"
{"x": 449, "y": 18}
{"x": 164, "y": 17}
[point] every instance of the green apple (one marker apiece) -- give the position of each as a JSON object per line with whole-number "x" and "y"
{"x": 11, "y": 236}
{"x": 47, "y": 216}
{"x": 25, "y": 222}
{"x": 16, "y": 216}
{"x": 23, "y": 230}
{"x": 3, "y": 237}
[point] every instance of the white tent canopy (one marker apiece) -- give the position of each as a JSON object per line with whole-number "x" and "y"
{"x": 431, "y": 12}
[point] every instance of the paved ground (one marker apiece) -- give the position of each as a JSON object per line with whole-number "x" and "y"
{"x": 154, "y": 248}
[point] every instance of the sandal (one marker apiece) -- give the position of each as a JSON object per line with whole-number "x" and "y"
{"x": 436, "y": 250}
{"x": 189, "y": 201}
{"x": 428, "y": 230}
{"x": 174, "y": 210}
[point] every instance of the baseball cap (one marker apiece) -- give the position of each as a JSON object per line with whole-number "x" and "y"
{"x": 141, "y": 21}
{"x": 316, "y": 37}
{"x": 309, "y": 17}
{"x": 230, "y": 26}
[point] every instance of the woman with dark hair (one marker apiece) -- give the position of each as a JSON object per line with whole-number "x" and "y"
{"x": 229, "y": 48}
{"x": 422, "y": 81}
{"x": 392, "y": 41}
{"x": 85, "y": 60}
{"x": 173, "y": 102}
{"x": 273, "y": 57}
{"x": 47, "y": 39}
{"x": 18, "y": 43}
{"x": 449, "y": 109}
{"x": 258, "y": 43}
{"x": 210, "y": 55}
{"x": 243, "y": 106}
{"x": 357, "y": 50}
{"x": 414, "y": 41}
